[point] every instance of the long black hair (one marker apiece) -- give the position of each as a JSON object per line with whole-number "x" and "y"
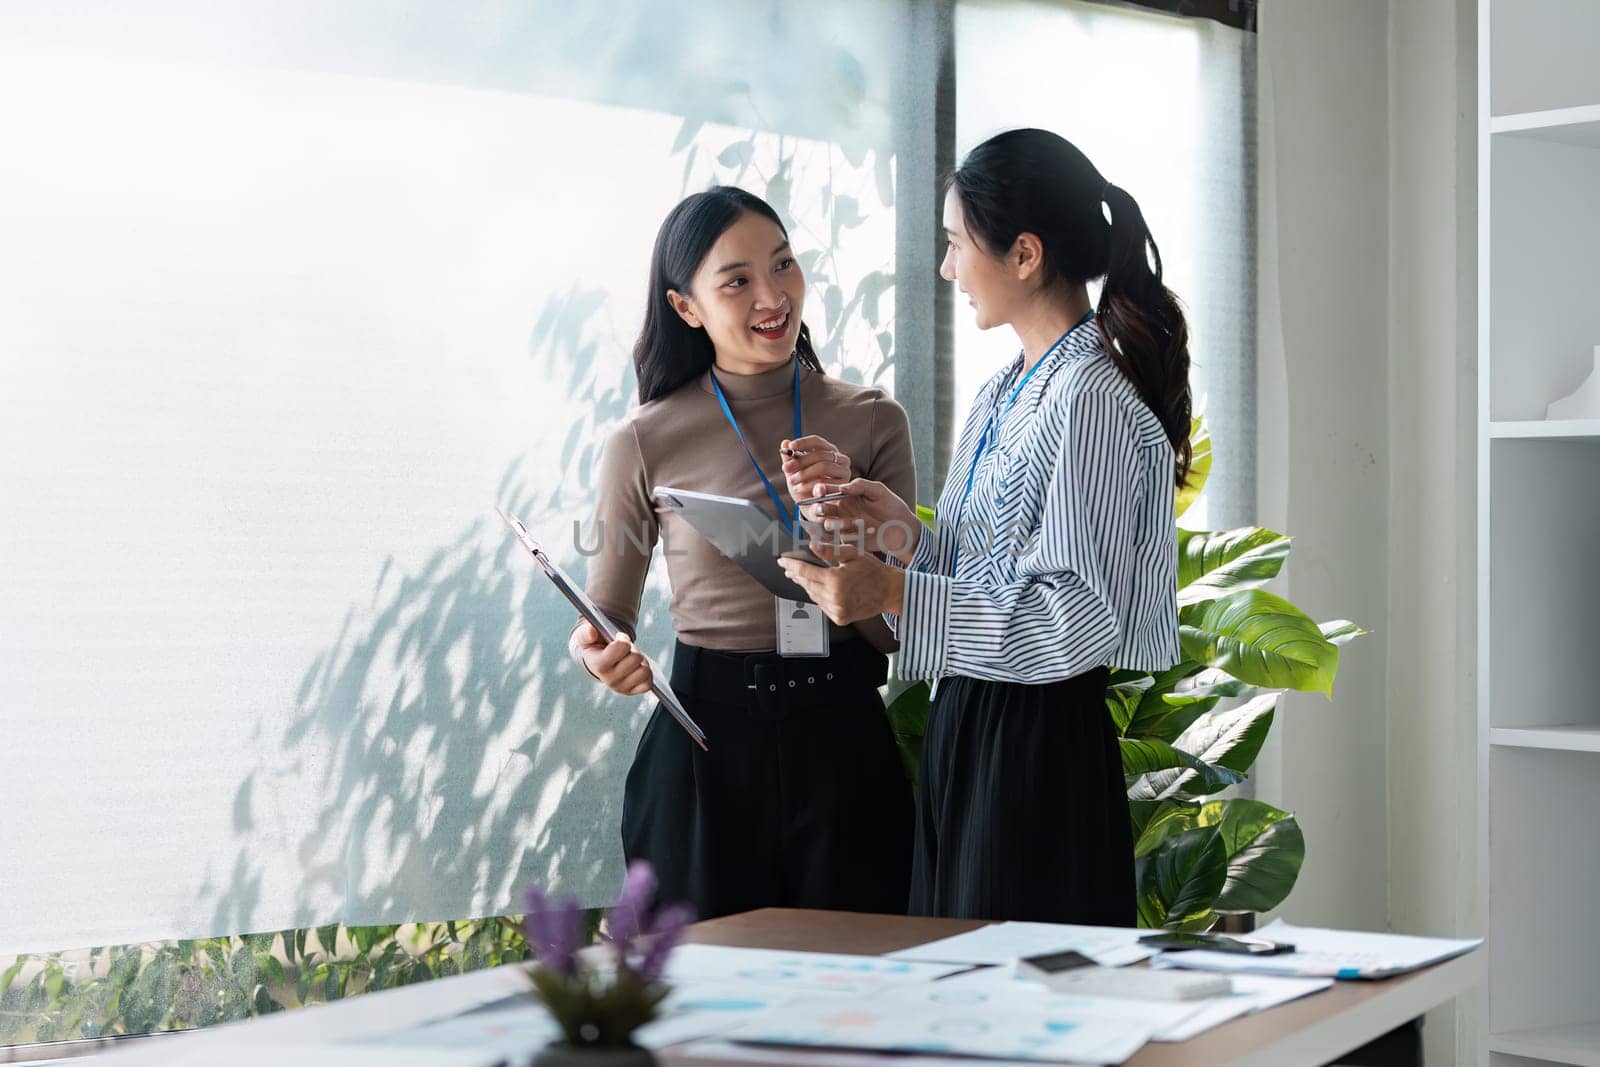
{"x": 1034, "y": 181}
{"x": 669, "y": 352}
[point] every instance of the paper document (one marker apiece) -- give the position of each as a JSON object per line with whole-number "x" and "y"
{"x": 1330, "y": 954}
{"x": 1031, "y": 1028}
{"x": 1251, "y": 993}
{"x": 1000, "y": 987}
{"x": 822, "y": 971}
{"x": 1109, "y": 946}
{"x": 700, "y": 1009}
{"x": 506, "y": 1029}
{"x": 1173, "y": 1021}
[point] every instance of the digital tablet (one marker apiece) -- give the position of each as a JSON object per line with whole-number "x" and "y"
{"x": 744, "y": 533}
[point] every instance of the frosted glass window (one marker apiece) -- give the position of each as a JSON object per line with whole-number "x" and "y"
{"x": 291, "y": 295}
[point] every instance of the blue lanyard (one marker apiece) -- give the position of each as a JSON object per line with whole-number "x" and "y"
{"x": 789, "y": 525}
{"x": 992, "y": 428}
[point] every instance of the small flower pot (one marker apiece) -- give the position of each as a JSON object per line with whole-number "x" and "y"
{"x": 564, "y": 1054}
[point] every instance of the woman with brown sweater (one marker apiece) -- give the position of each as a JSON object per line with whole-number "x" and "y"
{"x": 801, "y": 800}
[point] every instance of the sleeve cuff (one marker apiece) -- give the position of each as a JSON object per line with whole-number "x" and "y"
{"x": 926, "y": 557}
{"x": 924, "y": 629}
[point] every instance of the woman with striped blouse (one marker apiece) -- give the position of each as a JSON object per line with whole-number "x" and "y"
{"x": 1054, "y": 554}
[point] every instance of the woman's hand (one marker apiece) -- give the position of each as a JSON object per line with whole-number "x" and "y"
{"x": 872, "y": 515}
{"x": 821, "y": 462}
{"x": 617, "y": 664}
{"x": 860, "y": 587}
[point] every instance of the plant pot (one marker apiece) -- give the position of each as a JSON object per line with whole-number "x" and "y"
{"x": 565, "y": 1054}
{"x": 1235, "y": 922}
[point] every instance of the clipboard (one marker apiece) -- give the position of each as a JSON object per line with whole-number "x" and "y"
{"x": 597, "y": 618}
{"x": 744, "y": 533}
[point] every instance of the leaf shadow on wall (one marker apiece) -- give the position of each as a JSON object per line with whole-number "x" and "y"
{"x": 445, "y": 742}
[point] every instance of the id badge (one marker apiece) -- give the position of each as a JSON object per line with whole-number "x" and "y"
{"x": 802, "y": 628}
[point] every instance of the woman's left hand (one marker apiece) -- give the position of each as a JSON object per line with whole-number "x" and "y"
{"x": 860, "y": 587}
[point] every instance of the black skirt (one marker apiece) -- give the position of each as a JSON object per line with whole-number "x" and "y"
{"x": 801, "y": 802}
{"x": 1022, "y": 810}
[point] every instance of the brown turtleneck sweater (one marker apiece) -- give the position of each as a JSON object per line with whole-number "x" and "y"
{"x": 683, "y": 440}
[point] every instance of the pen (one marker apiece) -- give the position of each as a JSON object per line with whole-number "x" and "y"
{"x": 827, "y": 498}
{"x": 791, "y": 453}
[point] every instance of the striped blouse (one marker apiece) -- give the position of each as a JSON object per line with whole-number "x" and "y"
{"x": 1057, "y": 551}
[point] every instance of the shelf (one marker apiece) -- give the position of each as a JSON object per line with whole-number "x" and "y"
{"x": 1578, "y": 1045}
{"x": 1577, "y": 737}
{"x": 1545, "y": 429}
{"x": 1568, "y": 125}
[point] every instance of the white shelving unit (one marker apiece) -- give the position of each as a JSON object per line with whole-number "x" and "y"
{"x": 1539, "y": 527}
{"x": 1567, "y": 737}
{"x": 1545, "y": 428}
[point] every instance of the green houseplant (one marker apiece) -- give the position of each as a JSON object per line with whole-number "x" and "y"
{"x": 1190, "y": 732}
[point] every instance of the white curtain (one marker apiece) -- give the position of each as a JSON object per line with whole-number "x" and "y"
{"x": 1164, "y": 107}
{"x": 291, "y": 295}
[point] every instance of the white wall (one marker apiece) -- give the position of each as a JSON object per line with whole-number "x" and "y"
{"x": 1324, "y": 435}
{"x": 1431, "y": 636}
{"x": 1367, "y": 399}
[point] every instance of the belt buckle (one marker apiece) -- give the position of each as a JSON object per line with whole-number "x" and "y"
{"x": 768, "y": 688}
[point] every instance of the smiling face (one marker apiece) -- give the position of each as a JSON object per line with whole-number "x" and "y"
{"x": 990, "y": 283}
{"x": 747, "y": 295}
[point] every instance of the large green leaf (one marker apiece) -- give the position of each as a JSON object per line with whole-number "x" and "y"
{"x": 1232, "y": 737}
{"x": 1265, "y": 850}
{"x": 908, "y": 718}
{"x": 1227, "y": 740}
{"x": 1142, "y": 757}
{"x": 1180, "y": 880}
{"x": 908, "y": 712}
{"x": 1212, "y": 682}
{"x": 1165, "y": 717}
{"x": 1154, "y": 711}
{"x": 1212, "y": 565}
{"x": 1121, "y": 700}
{"x": 1154, "y": 820}
{"x": 1199, "y": 466}
{"x": 1168, "y": 705}
{"x": 1261, "y": 639}
{"x": 1341, "y": 631}
{"x": 1262, "y": 846}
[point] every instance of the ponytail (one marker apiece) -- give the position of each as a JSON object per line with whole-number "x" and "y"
{"x": 1142, "y": 326}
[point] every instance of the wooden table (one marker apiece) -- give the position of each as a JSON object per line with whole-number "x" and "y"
{"x": 1313, "y": 1030}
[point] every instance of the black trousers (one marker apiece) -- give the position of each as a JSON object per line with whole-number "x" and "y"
{"x": 1022, "y": 811}
{"x": 802, "y": 800}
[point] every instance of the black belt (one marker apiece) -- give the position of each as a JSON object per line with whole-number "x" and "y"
{"x": 768, "y": 685}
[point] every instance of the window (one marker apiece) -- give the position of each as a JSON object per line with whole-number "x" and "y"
{"x": 295, "y": 294}
{"x": 1165, "y": 108}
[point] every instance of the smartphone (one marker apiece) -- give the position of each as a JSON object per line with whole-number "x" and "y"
{"x": 1054, "y": 963}
{"x": 1178, "y": 941}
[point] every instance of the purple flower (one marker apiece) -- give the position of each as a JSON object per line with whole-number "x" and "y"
{"x": 553, "y": 930}
{"x": 667, "y": 931}
{"x": 631, "y": 913}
